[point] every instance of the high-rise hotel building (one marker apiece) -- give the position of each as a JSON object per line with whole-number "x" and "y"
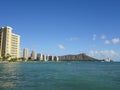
{"x": 25, "y": 53}
{"x": 33, "y": 55}
{"x": 9, "y": 42}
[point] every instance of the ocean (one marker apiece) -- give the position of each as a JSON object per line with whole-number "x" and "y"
{"x": 60, "y": 76}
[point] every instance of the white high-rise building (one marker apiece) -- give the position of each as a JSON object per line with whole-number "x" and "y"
{"x": 56, "y": 58}
{"x": 47, "y": 57}
{"x": 33, "y": 55}
{"x": 25, "y": 53}
{"x": 39, "y": 57}
{"x": 44, "y": 58}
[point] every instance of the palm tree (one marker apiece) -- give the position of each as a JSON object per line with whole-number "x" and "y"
{"x": 6, "y": 57}
{"x": 0, "y": 58}
{"x": 13, "y": 59}
{"x": 3, "y": 57}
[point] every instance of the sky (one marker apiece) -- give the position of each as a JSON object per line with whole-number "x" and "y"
{"x": 60, "y": 27}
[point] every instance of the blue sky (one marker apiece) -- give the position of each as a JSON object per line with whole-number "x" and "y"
{"x": 60, "y": 27}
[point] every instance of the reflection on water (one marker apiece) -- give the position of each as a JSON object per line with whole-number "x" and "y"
{"x": 8, "y": 75}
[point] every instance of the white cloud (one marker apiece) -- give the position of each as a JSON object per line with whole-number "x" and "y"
{"x": 103, "y": 37}
{"x": 73, "y": 39}
{"x": 60, "y": 46}
{"x": 115, "y": 40}
{"x": 105, "y": 54}
{"x": 94, "y": 37}
{"x": 107, "y": 42}
{"x": 108, "y": 53}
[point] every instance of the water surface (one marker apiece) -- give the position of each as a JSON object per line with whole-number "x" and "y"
{"x": 60, "y": 76}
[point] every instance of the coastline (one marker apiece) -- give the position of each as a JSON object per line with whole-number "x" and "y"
{"x": 27, "y": 61}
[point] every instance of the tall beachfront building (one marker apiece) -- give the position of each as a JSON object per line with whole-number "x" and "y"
{"x": 25, "y": 53}
{"x": 9, "y": 42}
{"x": 33, "y": 55}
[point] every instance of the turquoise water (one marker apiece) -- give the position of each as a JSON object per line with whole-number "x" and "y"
{"x": 60, "y": 76}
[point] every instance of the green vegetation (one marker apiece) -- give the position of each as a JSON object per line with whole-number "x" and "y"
{"x": 8, "y": 58}
{"x": 5, "y": 57}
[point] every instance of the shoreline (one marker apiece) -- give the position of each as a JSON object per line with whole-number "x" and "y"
{"x": 49, "y": 61}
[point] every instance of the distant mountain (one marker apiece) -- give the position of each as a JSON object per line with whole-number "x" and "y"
{"x": 79, "y": 57}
